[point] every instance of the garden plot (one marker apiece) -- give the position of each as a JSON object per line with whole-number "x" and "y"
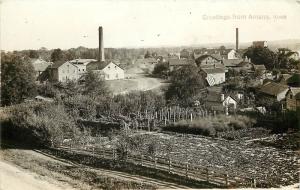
{"x": 268, "y": 165}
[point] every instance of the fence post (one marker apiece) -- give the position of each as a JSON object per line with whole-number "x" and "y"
{"x": 141, "y": 159}
{"x": 170, "y": 165}
{"x": 207, "y": 175}
{"x": 226, "y": 179}
{"x": 191, "y": 117}
{"x": 165, "y": 121}
{"x": 186, "y": 170}
{"x": 254, "y": 182}
{"x": 113, "y": 154}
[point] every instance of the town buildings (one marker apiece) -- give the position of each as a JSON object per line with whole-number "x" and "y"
{"x": 293, "y": 98}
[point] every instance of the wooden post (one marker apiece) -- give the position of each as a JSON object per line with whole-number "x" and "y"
{"x": 165, "y": 121}
{"x": 254, "y": 182}
{"x": 187, "y": 170}
{"x": 174, "y": 117}
{"x": 170, "y": 165}
{"x": 141, "y": 159}
{"x": 191, "y": 117}
{"x": 207, "y": 175}
{"x": 226, "y": 179}
{"x": 113, "y": 154}
{"x": 156, "y": 115}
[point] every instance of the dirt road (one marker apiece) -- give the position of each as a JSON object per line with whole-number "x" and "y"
{"x": 14, "y": 178}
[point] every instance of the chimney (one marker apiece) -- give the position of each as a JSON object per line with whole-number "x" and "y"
{"x": 101, "y": 49}
{"x": 236, "y": 39}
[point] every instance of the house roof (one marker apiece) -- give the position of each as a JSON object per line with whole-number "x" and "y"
{"x": 259, "y": 67}
{"x": 40, "y": 64}
{"x": 272, "y": 88}
{"x": 100, "y": 65}
{"x": 295, "y": 90}
{"x": 181, "y": 62}
{"x": 232, "y": 62}
{"x": 82, "y": 61}
{"x": 213, "y": 70}
{"x": 57, "y": 64}
{"x": 216, "y": 65}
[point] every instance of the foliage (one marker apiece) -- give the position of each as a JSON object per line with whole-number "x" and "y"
{"x": 147, "y": 55}
{"x": 94, "y": 85}
{"x": 33, "y": 54}
{"x": 47, "y": 90}
{"x": 57, "y": 55}
{"x": 186, "y": 83}
{"x": 49, "y": 124}
{"x": 262, "y": 56}
{"x": 210, "y": 126}
{"x": 161, "y": 69}
{"x": 17, "y": 80}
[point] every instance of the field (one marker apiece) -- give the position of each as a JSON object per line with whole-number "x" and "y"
{"x": 136, "y": 79}
{"x": 244, "y": 158}
{"x": 135, "y": 82}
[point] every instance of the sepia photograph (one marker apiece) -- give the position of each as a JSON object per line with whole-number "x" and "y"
{"x": 149, "y": 94}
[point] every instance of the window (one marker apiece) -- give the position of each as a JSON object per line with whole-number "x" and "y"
{"x": 108, "y": 67}
{"x": 82, "y": 69}
{"x": 291, "y": 96}
{"x": 79, "y": 69}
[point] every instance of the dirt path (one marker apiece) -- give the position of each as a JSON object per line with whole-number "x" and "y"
{"x": 14, "y": 178}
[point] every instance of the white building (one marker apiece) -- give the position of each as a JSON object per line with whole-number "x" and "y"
{"x": 214, "y": 76}
{"x": 110, "y": 71}
{"x": 64, "y": 71}
{"x": 81, "y": 64}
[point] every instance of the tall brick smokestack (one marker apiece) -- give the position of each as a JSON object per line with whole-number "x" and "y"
{"x": 101, "y": 49}
{"x": 236, "y": 38}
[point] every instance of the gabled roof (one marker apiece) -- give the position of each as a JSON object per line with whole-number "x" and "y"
{"x": 181, "y": 62}
{"x": 213, "y": 70}
{"x": 216, "y": 65}
{"x": 57, "y": 64}
{"x": 259, "y": 67}
{"x": 202, "y": 57}
{"x": 272, "y": 88}
{"x": 295, "y": 90}
{"x": 82, "y": 61}
{"x": 100, "y": 65}
{"x": 232, "y": 62}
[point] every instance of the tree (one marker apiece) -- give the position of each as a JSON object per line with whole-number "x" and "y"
{"x": 147, "y": 55}
{"x": 94, "y": 85}
{"x": 262, "y": 56}
{"x": 186, "y": 84}
{"x": 33, "y": 54}
{"x": 161, "y": 69}
{"x": 57, "y": 55}
{"x": 17, "y": 80}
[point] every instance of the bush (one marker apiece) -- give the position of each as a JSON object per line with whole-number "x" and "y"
{"x": 210, "y": 126}
{"x": 46, "y": 124}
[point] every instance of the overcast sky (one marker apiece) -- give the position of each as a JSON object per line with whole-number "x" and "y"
{"x": 31, "y": 24}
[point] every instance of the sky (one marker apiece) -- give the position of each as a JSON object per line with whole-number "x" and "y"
{"x": 32, "y": 24}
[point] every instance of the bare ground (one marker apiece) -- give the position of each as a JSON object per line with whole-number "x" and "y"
{"x": 135, "y": 82}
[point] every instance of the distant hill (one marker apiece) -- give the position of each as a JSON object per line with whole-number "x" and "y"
{"x": 293, "y": 44}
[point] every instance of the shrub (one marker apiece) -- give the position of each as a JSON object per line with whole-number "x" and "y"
{"x": 210, "y": 126}
{"x": 47, "y": 124}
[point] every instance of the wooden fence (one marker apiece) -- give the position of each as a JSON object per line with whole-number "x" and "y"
{"x": 183, "y": 169}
